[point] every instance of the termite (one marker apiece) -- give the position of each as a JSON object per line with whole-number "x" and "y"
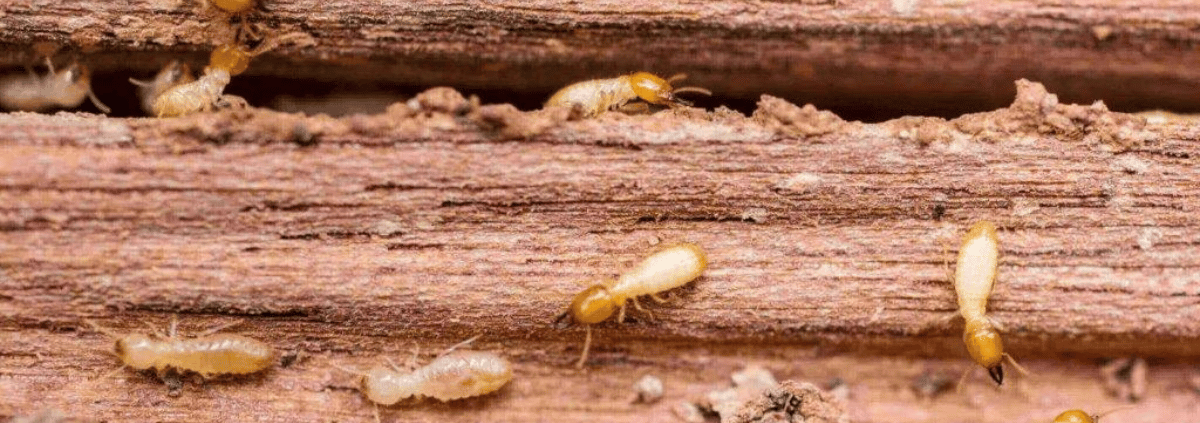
{"x": 454, "y": 374}
{"x": 592, "y": 97}
{"x": 171, "y": 75}
{"x": 205, "y": 93}
{"x": 1080, "y": 416}
{"x": 209, "y": 354}
{"x": 978, "y": 262}
{"x": 665, "y": 269}
{"x": 65, "y": 89}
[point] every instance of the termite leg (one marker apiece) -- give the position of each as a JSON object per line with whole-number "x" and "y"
{"x": 96, "y": 101}
{"x": 395, "y": 367}
{"x": 587, "y": 343}
{"x": 155, "y": 330}
{"x": 961, "y": 380}
{"x": 634, "y": 108}
{"x": 621, "y": 314}
{"x": 638, "y": 306}
{"x": 49, "y": 65}
{"x": 658, "y": 299}
{"x": 996, "y": 324}
{"x": 174, "y": 325}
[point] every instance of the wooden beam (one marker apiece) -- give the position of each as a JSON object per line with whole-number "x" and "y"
{"x": 343, "y": 240}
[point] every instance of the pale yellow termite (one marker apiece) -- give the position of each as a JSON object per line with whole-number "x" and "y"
{"x": 208, "y": 354}
{"x": 33, "y": 93}
{"x": 205, "y": 94}
{"x": 171, "y": 75}
{"x": 978, "y": 262}
{"x": 592, "y": 97}
{"x": 665, "y": 269}
{"x": 455, "y": 374}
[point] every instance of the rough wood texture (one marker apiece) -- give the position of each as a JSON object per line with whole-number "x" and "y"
{"x": 876, "y": 58}
{"x": 343, "y": 240}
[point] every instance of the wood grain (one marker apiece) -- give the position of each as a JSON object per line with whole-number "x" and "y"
{"x": 875, "y": 58}
{"x": 343, "y": 240}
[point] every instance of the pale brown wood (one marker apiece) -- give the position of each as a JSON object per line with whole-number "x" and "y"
{"x": 343, "y": 240}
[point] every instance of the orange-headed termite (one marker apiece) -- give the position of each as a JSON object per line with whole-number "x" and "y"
{"x": 65, "y": 89}
{"x": 209, "y": 354}
{"x": 455, "y": 374}
{"x": 592, "y": 97}
{"x": 171, "y": 75}
{"x": 978, "y": 261}
{"x": 667, "y": 268}
{"x": 205, "y": 94}
{"x": 1079, "y": 416}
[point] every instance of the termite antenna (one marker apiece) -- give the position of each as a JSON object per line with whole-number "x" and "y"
{"x": 349, "y": 370}
{"x": 587, "y": 344}
{"x": 111, "y": 334}
{"x": 700, "y": 90}
{"x": 222, "y": 327}
{"x": 460, "y": 344}
{"x": 1016, "y": 365}
{"x": 676, "y": 78}
{"x": 1122, "y": 408}
{"x": 141, "y": 83}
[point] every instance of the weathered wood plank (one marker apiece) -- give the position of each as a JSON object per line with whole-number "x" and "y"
{"x": 344, "y": 240}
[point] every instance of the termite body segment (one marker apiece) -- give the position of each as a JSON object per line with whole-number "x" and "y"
{"x": 665, "y": 269}
{"x": 208, "y": 355}
{"x": 171, "y": 75}
{"x": 455, "y": 375}
{"x": 65, "y": 89}
{"x": 205, "y": 94}
{"x": 592, "y": 97}
{"x": 978, "y": 261}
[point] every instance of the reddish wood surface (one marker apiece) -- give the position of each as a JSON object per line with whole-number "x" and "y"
{"x": 877, "y": 58}
{"x": 343, "y": 240}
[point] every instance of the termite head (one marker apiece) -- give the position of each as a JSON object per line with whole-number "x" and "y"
{"x": 655, "y": 90}
{"x": 233, "y": 6}
{"x": 593, "y": 305}
{"x": 984, "y": 346}
{"x": 1075, "y": 416}
{"x": 232, "y": 58}
{"x": 137, "y": 351}
{"x": 73, "y": 83}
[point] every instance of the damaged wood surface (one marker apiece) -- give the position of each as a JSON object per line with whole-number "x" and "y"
{"x": 343, "y": 240}
{"x": 900, "y": 56}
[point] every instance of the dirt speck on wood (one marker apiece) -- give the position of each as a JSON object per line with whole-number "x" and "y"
{"x": 792, "y": 402}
